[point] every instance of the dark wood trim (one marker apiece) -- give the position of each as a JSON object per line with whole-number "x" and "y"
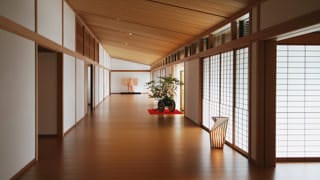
{"x": 306, "y": 39}
{"x": 234, "y": 92}
{"x": 93, "y": 88}
{"x": 36, "y": 102}
{"x": 308, "y": 159}
{"x": 75, "y": 90}
{"x": 86, "y": 87}
{"x": 249, "y": 100}
{"x": 109, "y": 83}
{"x": 189, "y": 9}
{"x": 24, "y": 169}
{"x": 60, "y": 95}
{"x": 259, "y": 111}
{"x": 130, "y": 71}
{"x": 48, "y": 135}
{"x": 36, "y": 16}
{"x": 270, "y": 54}
{"x": 201, "y": 90}
{"x": 62, "y": 23}
{"x": 259, "y": 18}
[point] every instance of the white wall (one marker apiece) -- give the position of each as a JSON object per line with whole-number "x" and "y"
{"x": 21, "y": 12}
{"x": 168, "y": 71}
{"x": 17, "y": 94}
{"x": 191, "y": 84}
{"x": 101, "y": 84}
{"x": 118, "y": 64}
{"x": 69, "y": 27}
{"x": 68, "y": 92}
{"x": 117, "y": 84}
{"x": 50, "y": 19}
{"x": 272, "y": 11}
{"x": 96, "y": 88}
{"x": 80, "y": 105}
{"x": 101, "y": 55}
{"x": 107, "y": 60}
{"x": 47, "y": 93}
{"x": 106, "y": 83}
{"x": 177, "y": 68}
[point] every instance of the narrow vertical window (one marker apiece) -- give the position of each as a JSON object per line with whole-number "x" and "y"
{"x": 241, "y": 118}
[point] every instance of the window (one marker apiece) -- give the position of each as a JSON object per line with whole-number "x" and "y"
{"x": 241, "y": 97}
{"x": 219, "y": 93}
{"x": 214, "y": 86}
{"x": 298, "y": 101}
{"x": 226, "y": 101}
{"x": 206, "y": 97}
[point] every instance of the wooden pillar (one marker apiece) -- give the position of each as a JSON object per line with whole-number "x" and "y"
{"x": 263, "y": 84}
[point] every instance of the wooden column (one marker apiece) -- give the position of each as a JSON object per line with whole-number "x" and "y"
{"x": 262, "y": 126}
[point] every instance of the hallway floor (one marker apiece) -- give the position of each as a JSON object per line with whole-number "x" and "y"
{"x": 120, "y": 140}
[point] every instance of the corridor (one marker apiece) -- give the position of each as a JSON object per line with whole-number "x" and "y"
{"x": 120, "y": 140}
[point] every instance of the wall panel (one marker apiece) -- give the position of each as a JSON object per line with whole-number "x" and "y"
{"x": 119, "y": 64}
{"x": 50, "y": 19}
{"x": 69, "y": 108}
{"x": 293, "y": 9}
{"x": 48, "y": 93}
{"x": 17, "y": 94}
{"x": 69, "y": 27}
{"x": 80, "y": 104}
{"x": 118, "y": 81}
{"x": 192, "y": 98}
{"x": 21, "y": 12}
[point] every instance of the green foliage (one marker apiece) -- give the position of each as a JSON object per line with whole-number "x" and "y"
{"x": 164, "y": 88}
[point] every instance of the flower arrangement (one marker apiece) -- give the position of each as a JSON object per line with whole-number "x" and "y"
{"x": 164, "y": 88}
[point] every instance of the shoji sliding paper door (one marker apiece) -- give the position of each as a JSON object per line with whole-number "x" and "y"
{"x": 298, "y": 102}
{"x": 225, "y": 93}
{"x": 241, "y": 116}
{"x": 214, "y": 86}
{"x": 206, "y": 93}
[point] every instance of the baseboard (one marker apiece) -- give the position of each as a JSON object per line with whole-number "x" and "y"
{"x": 24, "y": 169}
{"x": 194, "y": 122}
{"x": 73, "y": 126}
{"x": 82, "y": 118}
{"x": 48, "y": 135}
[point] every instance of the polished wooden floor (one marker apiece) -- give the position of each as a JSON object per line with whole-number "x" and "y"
{"x": 120, "y": 140}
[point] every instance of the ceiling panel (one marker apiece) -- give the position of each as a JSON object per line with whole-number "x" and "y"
{"x": 146, "y": 30}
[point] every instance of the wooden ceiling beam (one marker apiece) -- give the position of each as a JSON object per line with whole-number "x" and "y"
{"x": 186, "y": 8}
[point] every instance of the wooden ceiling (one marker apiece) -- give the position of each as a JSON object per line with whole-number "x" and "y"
{"x": 144, "y": 31}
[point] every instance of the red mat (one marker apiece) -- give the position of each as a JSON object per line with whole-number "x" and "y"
{"x": 166, "y": 111}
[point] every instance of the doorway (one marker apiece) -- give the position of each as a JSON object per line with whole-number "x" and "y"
{"x": 90, "y": 91}
{"x": 49, "y": 79}
{"x": 179, "y": 74}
